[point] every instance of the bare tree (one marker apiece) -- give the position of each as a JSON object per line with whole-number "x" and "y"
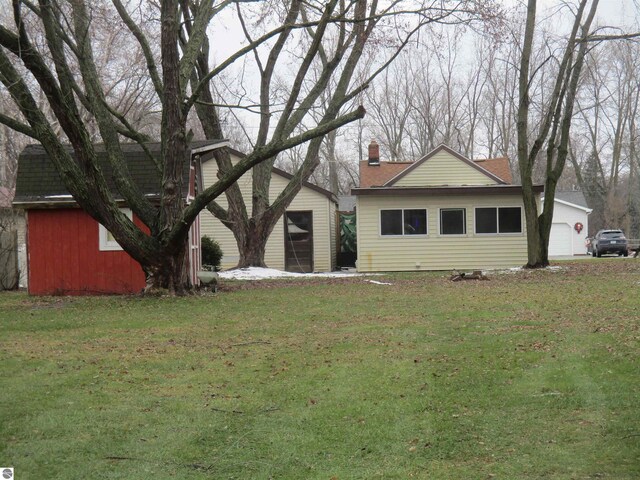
{"x": 428, "y": 99}
{"x": 389, "y": 108}
{"x": 603, "y": 151}
{"x": 552, "y": 136}
{"x": 49, "y": 51}
{"x": 341, "y": 79}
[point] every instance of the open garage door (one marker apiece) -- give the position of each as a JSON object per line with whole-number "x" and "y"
{"x": 560, "y": 240}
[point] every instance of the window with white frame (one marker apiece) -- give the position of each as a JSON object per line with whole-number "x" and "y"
{"x": 498, "y": 220}
{"x": 410, "y": 221}
{"x": 453, "y": 221}
{"x": 107, "y": 242}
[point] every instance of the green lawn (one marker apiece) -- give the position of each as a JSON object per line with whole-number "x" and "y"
{"x": 532, "y": 375}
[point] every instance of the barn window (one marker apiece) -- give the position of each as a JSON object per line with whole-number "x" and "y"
{"x": 499, "y": 220}
{"x": 107, "y": 241}
{"x": 403, "y": 222}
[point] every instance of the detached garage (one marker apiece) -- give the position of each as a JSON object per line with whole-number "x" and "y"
{"x": 570, "y": 225}
{"x": 304, "y": 240}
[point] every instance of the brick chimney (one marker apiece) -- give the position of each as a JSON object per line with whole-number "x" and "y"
{"x": 374, "y": 153}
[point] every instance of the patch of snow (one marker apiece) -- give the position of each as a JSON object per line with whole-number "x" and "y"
{"x": 256, "y": 273}
{"x": 554, "y": 268}
{"x": 379, "y": 283}
{"x": 503, "y": 271}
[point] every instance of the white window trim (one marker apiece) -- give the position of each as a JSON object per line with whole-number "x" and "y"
{"x": 449, "y": 235}
{"x": 106, "y": 245}
{"x": 403, "y": 235}
{"x": 508, "y": 234}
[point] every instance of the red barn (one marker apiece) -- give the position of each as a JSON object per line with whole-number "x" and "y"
{"x": 70, "y": 253}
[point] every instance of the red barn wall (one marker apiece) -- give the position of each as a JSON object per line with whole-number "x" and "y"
{"x": 64, "y": 257}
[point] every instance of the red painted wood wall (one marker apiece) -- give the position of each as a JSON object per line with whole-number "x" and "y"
{"x": 64, "y": 257}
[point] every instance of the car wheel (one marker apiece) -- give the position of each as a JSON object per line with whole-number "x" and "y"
{"x": 625, "y": 254}
{"x": 597, "y": 253}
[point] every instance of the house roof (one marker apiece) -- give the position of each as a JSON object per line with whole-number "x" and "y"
{"x": 382, "y": 174}
{"x": 451, "y": 152}
{"x": 378, "y": 175}
{"x": 498, "y": 166}
{"x": 445, "y": 191}
{"x": 572, "y": 199}
{"x": 346, "y": 203}
{"x": 39, "y": 182}
{"x": 288, "y": 176}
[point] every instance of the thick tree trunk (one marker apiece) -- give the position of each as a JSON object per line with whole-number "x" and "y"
{"x": 536, "y": 248}
{"x": 170, "y": 273}
{"x": 252, "y": 241}
{"x": 252, "y": 251}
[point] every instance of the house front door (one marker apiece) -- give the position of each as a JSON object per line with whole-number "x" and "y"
{"x": 298, "y": 242}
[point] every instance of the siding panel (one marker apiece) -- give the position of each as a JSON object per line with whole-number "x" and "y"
{"x": 444, "y": 169}
{"x": 307, "y": 199}
{"x": 435, "y": 251}
{"x": 64, "y": 257}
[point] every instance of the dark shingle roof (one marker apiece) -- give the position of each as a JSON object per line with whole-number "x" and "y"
{"x": 346, "y": 203}
{"x": 38, "y": 179}
{"x": 577, "y": 198}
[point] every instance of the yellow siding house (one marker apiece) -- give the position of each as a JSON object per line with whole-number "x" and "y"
{"x": 305, "y": 242}
{"x": 441, "y": 212}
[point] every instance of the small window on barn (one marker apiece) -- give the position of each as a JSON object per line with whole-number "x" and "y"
{"x": 453, "y": 221}
{"x": 107, "y": 241}
{"x": 403, "y": 222}
{"x": 499, "y": 220}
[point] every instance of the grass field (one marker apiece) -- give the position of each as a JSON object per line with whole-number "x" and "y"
{"x": 530, "y": 375}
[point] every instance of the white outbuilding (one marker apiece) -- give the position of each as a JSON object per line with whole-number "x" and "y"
{"x": 570, "y": 226}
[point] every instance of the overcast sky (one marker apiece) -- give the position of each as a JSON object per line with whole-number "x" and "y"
{"x": 227, "y": 35}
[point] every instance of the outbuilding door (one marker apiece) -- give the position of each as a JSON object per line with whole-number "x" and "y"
{"x": 560, "y": 240}
{"x": 298, "y": 242}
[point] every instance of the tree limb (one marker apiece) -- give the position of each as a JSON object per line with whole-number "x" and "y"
{"x": 144, "y": 45}
{"x": 258, "y": 155}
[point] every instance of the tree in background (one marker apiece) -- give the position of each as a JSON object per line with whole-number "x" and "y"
{"x": 604, "y": 147}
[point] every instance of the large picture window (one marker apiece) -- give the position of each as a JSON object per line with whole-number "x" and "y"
{"x": 453, "y": 221}
{"x": 403, "y": 222}
{"x": 499, "y": 220}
